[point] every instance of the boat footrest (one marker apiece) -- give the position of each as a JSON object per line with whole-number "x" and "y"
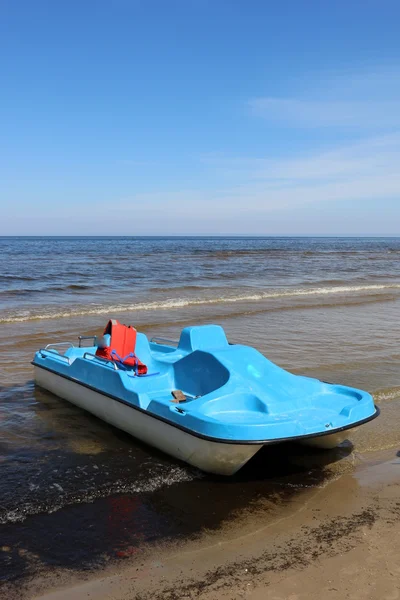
{"x": 178, "y": 396}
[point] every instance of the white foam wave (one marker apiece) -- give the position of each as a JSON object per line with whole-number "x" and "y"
{"x": 387, "y": 395}
{"x": 171, "y": 476}
{"x": 172, "y": 303}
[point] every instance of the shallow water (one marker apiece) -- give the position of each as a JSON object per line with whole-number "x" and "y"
{"x": 70, "y": 484}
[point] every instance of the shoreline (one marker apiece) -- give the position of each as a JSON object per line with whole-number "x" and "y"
{"x": 317, "y": 545}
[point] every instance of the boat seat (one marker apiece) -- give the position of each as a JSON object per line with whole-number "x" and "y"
{"x": 199, "y": 373}
{"x": 202, "y": 337}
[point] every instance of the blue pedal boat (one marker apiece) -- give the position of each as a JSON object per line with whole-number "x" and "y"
{"x": 204, "y": 401}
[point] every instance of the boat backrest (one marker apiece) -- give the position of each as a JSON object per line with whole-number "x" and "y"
{"x": 104, "y": 341}
{"x": 143, "y": 349}
{"x": 202, "y": 337}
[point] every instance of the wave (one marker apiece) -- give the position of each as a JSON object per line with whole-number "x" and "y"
{"x": 172, "y": 303}
{"x": 55, "y": 288}
{"x": 184, "y": 288}
{"x": 77, "y": 286}
{"x": 386, "y": 395}
{"x": 212, "y": 253}
{"x": 39, "y": 277}
{"x": 17, "y": 277}
{"x": 278, "y": 252}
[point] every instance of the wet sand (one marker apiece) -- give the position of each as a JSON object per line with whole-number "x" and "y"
{"x": 338, "y": 539}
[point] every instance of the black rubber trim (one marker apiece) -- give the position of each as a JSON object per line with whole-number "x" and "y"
{"x": 207, "y": 437}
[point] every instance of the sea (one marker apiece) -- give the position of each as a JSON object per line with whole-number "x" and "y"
{"x": 75, "y": 493}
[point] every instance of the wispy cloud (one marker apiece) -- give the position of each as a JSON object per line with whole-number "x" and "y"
{"x": 374, "y": 155}
{"x": 320, "y": 113}
{"x": 366, "y": 170}
{"x": 350, "y": 100}
{"x": 260, "y": 196}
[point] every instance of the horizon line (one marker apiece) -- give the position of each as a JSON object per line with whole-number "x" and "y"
{"x": 207, "y": 235}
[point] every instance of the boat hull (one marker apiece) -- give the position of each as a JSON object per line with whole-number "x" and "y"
{"x": 221, "y": 458}
{"x": 328, "y": 442}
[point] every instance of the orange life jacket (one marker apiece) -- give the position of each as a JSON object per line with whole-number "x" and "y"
{"x": 122, "y": 344}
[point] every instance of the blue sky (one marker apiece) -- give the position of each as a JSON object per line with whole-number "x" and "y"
{"x": 140, "y": 117}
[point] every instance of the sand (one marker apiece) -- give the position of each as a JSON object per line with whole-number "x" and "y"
{"x": 339, "y": 540}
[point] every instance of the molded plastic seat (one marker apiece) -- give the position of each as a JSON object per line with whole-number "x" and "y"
{"x": 204, "y": 337}
{"x": 199, "y": 373}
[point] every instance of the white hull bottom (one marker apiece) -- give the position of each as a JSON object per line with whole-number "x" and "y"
{"x": 213, "y": 457}
{"x": 327, "y": 442}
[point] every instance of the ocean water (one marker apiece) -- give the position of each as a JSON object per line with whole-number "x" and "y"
{"x": 47, "y": 278}
{"x": 325, "y": 307}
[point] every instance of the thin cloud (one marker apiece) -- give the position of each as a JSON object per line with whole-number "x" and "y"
{"x": 314, "y": 113}
{"x": 365, "y": 170}
{"x": 349, "y": 100}
{"x": 372, "y": 156}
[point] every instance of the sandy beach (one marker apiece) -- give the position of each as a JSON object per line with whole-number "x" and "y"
{"x": 340, "y": 540}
